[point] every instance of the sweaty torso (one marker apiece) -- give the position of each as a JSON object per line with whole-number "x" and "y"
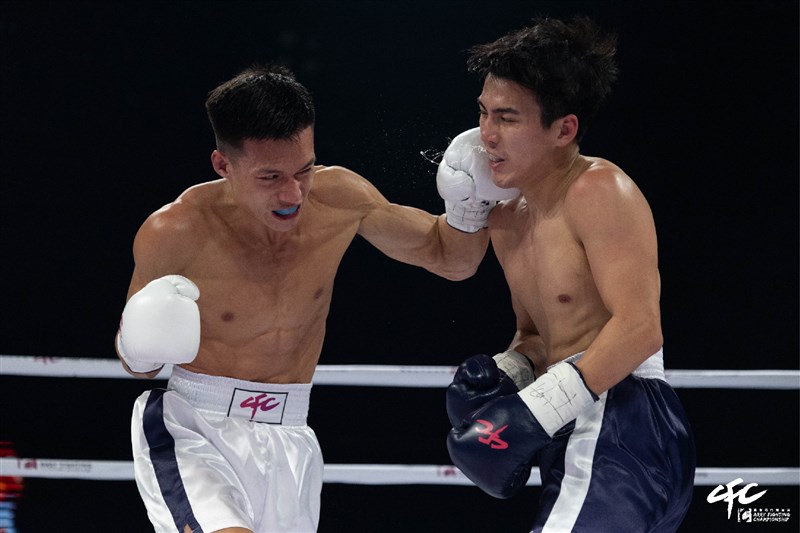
{"x": 549, "y": 277}
{"x": 264, "y": 301}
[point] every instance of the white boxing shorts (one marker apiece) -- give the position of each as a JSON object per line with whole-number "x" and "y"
{"x": 213, "y": 452}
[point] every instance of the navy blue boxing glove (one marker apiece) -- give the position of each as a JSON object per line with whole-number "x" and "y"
{"x": 481, "y": 378}
{"x": 496, "y": 445}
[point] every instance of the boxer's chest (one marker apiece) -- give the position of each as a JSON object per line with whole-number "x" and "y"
{"x": 547, "y": 270}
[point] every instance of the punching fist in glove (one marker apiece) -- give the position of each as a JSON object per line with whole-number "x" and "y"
{"x": 464, "y": 181}
{"x": 496, "y": 445}
{"x": 160, "y": 324}
{"x": 481, "y": 378}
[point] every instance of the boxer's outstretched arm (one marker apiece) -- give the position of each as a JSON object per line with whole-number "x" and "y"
{"x": 453, "y": 244}
{"x": 419, "y": 238}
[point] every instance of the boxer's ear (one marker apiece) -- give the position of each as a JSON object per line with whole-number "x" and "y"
{"x": 221, "y": 163}
{"x": 567, "y": 129}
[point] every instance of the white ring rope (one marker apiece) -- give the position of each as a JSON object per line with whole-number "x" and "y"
{"x": 378, "y": 376}
{"x": 391, "y": 375}
{"x": 363, "y": 474}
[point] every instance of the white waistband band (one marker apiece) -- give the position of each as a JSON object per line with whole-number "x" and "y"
{"x": 271, "y": 403}
{"x": 652, "y": 368}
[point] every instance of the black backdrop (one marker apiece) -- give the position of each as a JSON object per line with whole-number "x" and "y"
{"x": 103, "y": 122}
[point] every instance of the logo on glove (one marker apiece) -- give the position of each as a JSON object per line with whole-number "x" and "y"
{"x": 492, "y": 440}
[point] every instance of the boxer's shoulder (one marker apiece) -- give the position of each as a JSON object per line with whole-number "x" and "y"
{"x": 179, "y": 225}
{"x": 337, "y": 178}
{"x": 603, "y": 192}
{"x": 341, "y": 188}
{"x": 176, "y": 218}
{"x": 597, "y": 176}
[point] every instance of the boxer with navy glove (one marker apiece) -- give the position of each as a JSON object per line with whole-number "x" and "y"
{"x": 160, "y": 324}
{"x": 496, "y": 445}
{"x": 464, "y": 181}
{"x": 481, "y": 379}
{"x": 579, "y": 252}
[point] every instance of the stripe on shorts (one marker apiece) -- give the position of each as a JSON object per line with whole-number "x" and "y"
{"x": 165, "y": 463}
{"x": 578, "y": 462}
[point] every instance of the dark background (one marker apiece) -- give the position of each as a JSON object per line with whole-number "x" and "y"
{"x": 103, "y": 122}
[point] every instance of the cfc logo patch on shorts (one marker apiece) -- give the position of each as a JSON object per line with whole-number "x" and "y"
{"x": 258, "y": 406}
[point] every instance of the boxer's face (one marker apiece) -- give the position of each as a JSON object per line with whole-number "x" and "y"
{"x": 270, "y": 178}
{"x": 511, "y": 131}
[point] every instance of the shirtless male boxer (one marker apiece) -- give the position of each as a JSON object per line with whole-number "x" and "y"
{"x": 579, "y": 253}
{"x": 232, "y": 284}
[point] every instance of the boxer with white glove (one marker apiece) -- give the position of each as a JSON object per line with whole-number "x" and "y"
{"x": 160, "y": 324}
{"x": 496, "y": 445}
{"x": 481, "y": 378}
{"x": 464, "y": 181}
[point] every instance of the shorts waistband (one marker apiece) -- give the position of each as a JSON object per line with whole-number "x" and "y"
{"x": 651, "y": 368}
{"x": 270, "y": 403}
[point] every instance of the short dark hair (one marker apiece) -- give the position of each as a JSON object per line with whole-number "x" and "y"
{"x": 261, "y": 102}
{"x": 569, "y": 66}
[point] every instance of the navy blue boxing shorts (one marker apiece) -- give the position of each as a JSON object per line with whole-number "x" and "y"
{"x": 627, "y": 466}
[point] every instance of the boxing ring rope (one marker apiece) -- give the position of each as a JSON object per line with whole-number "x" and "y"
{"x": 360, "y": 474}
{"x": 379, "y": 376}
{"x": 389, "y": 375}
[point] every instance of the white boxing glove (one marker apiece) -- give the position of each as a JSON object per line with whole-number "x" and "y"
{"x": 464, "y": 181}
{"x": 160, "y": 324}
